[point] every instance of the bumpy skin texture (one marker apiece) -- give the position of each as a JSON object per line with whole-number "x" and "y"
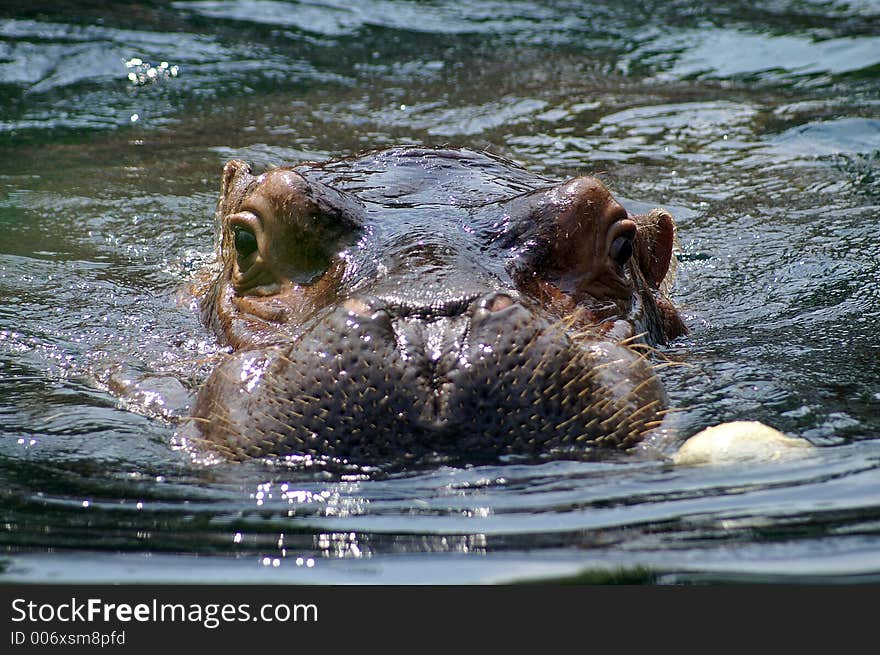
{"x": 412, "y": 303}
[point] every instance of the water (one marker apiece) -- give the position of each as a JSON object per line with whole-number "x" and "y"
{"x": 758, "y": 126}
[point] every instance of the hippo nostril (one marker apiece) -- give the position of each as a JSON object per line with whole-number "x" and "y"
{"x": 368, "y": 311}
{"x": 498, "y": 302}
{"x": 494, "y": 303}
{"x": 358, "y": 307}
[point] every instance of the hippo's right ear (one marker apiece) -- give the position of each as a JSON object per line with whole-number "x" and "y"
{"x": 236, "y": 176}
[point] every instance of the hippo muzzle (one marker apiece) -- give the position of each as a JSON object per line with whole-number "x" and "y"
{"x": 374, "y": 316}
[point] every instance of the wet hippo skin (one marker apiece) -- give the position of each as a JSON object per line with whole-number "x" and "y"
{"x": 417, "y": 303}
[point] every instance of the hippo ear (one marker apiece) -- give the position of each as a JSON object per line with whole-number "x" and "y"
{"x": 655, "y": 241}
{"x": 236, "y": 175}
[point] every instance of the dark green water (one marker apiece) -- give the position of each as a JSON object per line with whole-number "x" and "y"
{"x": 757, "y": 124}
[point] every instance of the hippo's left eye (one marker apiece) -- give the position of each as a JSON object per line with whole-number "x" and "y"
{"x": 245, "y": 241}
{"x": 621, "y": 250}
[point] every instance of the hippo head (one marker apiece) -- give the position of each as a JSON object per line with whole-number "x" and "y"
{"x": 419, "y": 303}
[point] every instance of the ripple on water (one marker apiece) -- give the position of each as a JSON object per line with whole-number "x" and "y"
{"x": 705, "y": 54}
{"x": 768, "y": 159}
{"x": 845, "y": 136}
{"x": 77, "y": 77}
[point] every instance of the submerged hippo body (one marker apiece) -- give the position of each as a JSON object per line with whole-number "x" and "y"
{"x": 413, "y": 303}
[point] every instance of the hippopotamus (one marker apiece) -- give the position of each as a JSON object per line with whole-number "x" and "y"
{"x": 414, "y": 303}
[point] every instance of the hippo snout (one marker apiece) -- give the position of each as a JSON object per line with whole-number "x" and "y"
{"x": 371, "y": 383}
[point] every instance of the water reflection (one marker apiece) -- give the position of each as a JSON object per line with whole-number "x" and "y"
{"x": 768, "y": 159}
{"x": 704, "y": 54}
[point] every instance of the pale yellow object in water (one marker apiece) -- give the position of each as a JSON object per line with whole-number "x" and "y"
{"x": 739, "y": 441}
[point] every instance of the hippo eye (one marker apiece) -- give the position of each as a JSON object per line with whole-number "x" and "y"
{"x": 245, "y": 241}
{"x": 621, "y": 250}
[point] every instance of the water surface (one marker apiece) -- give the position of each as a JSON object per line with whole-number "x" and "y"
{"x": 757, "y": 126}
